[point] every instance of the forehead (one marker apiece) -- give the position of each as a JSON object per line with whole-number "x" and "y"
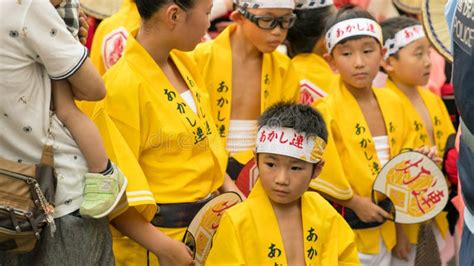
{"x": 357, "y": 42}
{"x": 280, "y": 158}
{"x": 276, "y": 12}
{"x": 422, "y": 43}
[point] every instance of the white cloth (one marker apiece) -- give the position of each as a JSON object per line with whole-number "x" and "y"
{"x": 289, "y": 4}
{"x": 469, "y": 220}
{"x": 242, "y": 134}
{"x": 312, "y": 4}
{"x": 219, "y": 9}
{"x": 383, "y": 149}
{"x": 188, "y": 98}
{"x": 381, "y": 259}
{"x": 36, "y": 46}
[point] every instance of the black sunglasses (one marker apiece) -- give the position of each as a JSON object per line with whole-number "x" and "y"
{"x": 269, "y": 22}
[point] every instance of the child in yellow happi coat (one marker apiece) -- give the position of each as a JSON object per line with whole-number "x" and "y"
{"x": 245, "y": 74}
{"x": 407, "y": 63}
{"x": 111, "y": 36}
{"x": 369, "y": 126}
{"x": 307, "y": 46}
{"x": 157, "y": 100}
{"x": 281, "y": 223}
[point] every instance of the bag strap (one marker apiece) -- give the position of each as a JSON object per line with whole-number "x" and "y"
{"x": 47, "y": 156}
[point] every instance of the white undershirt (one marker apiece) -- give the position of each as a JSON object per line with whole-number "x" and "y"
{"x": 188, "y": 98}
{"x": 242, "y": 135}
{"x": 383, "y": 149}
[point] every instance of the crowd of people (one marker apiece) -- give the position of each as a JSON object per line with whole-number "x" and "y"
{"x": 295, "y": 105}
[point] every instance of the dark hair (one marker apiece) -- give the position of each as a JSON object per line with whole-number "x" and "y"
{"x": 348, "y": 12}
{"x": 391, "y": 26}
{"x": 308, "y": 29}
{"x": 302, "y": 118}
{"x": 146, "y": 8}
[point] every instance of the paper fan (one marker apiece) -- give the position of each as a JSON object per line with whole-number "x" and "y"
{"x": 101, "y": 8}
{"x": 409, "y": 6}
{"x": 198, "y": 236}
{"x": 436, "y": 27}
{"x": 415, "y": 186}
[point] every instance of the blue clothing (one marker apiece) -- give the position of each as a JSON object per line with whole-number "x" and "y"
{"x": 462, "y": 29}
{"x": 466, "y": 256}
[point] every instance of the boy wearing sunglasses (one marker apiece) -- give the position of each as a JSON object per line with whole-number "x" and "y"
{"x": 245, "y": 75}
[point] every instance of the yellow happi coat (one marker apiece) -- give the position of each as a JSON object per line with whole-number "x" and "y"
{"x": 111, "y": 35}
{"x": 316, "y": 76}
{"x": 442, "y": 128}
{"x": 109, "y": 42}
{"x": 214, "y": 58}
{"x": 248, "y": 234}
{"x": 179, "y": 151}
{"x": 356, "y": 150}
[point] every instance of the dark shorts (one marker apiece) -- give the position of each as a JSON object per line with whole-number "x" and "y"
{"x": 77, "y": 241}
{"x": 466, "y": 253}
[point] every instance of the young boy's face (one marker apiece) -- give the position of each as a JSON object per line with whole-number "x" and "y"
{"x": 265, "y": 40}
{"x": 284, "y": 178}
{"x": 357, "y": 61}
{"x": 412, "y": 67}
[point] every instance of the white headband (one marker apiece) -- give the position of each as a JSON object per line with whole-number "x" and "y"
{"x": 290, "y": 4}
{"x": 288, "y": 142}
{"x": 403, "y": 38}
{"x": 312, "y": 4}
{"x": 352, "y": 27}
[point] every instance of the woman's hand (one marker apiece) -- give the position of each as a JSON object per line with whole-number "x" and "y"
{"x": 173, "y": 252}
{"x": 229, "y": 186}
{"x": 366, "y": 210}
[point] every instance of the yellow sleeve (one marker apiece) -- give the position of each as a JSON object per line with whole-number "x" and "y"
{"x": 117, "y": 142}
{"x": 291, "y": 84}
{"x": 409, "y": 139}
{"x": 332, "y": 180}
{"x": 226, "y": 248}
{"x": 341, "y": 245}
{"x": 96, "y": 50}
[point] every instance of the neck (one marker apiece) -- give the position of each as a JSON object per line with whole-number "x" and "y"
{"x": 319, "y": 48}
{"x": 288, "y": 208}
{"x": 158, "y": 48}
{"x": 360, "y": 93}
{"x": 242, "y": 47}
{"x": 408, "y": 90}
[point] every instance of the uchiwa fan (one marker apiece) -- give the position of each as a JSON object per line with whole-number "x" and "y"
{"x": 436, "y": 27}
{"x": 409, "y": 6}
{"x": 101, "y": 8}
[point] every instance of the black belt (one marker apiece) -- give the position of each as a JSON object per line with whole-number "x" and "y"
{"x": 353, "y": 220}
{"x": 178, "y": 215}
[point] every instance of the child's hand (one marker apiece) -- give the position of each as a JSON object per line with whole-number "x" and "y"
{"x": 83, "y": 27}
{"x": 403, "y": 248}
{"x": 367, "y": 211}
{"x": 431, "y": 152}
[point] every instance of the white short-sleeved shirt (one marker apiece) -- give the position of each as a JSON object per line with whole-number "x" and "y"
{"x": 36, "y": 46}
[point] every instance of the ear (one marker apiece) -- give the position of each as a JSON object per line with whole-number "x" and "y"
{"x": 387, "y": 65}
{"x": 318, "y": 169}
{"x": 173, "y": 15}
{"x": 330, "y": 60}
{"x": 236, "y": 17}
